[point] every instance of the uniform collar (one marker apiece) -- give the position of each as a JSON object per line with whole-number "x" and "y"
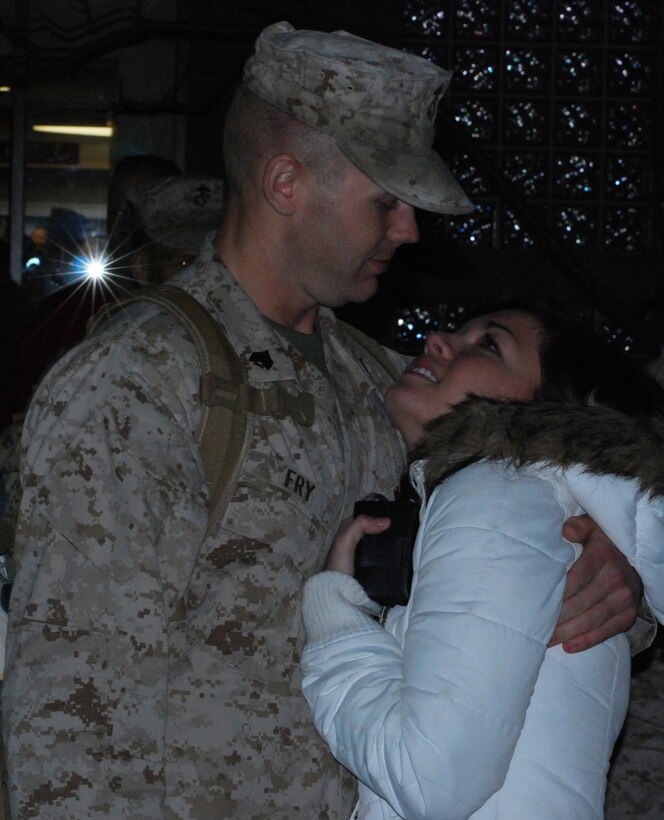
{"x": 265, "y": 353}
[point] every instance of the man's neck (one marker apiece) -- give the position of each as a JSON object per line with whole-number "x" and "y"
{"x": 264, "y": 280}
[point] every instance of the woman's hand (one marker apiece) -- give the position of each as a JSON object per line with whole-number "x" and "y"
{"x": 341, "y": 556}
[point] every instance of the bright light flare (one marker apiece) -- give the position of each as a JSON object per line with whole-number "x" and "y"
{"x": 95, "y": 268}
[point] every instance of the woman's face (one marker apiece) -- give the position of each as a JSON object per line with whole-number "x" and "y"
{"x": 495, "y": 356}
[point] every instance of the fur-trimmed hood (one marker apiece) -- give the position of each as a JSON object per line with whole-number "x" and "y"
{"x": 611, "y": 464}
{"x": 599, "y": 440}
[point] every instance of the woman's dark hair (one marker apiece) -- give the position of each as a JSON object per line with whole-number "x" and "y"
{"x": 581, "y": 367}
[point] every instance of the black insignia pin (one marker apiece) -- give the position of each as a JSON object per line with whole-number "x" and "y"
{"x": 262, "y": 358}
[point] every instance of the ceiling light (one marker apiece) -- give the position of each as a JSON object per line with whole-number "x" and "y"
{"x": 76, "y": 130}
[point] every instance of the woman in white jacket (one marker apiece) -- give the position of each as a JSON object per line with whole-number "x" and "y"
{"x": 457, "y": 708}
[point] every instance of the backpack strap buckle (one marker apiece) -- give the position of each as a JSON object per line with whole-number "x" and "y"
{"x": 269, "y": 401}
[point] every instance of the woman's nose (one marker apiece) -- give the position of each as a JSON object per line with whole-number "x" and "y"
{"x": 441, "y": 345}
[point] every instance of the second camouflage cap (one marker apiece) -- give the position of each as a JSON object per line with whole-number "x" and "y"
{"x": 178, "y": 211}
{"x": 378, "y": 103}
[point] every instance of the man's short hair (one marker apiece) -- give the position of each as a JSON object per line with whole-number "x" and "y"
{"x": 255, "y": 131}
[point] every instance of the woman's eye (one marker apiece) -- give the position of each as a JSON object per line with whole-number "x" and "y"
{"x": 489, "y": 343}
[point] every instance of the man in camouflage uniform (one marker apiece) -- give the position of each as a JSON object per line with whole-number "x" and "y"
{"x": 153, "y": 665}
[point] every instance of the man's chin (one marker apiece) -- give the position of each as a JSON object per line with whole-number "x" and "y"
{"x": 362, "y": 292}
{"x": 365, "y": 291}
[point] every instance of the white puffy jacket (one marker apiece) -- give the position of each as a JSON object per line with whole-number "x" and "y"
{"x": 457, "y": 709}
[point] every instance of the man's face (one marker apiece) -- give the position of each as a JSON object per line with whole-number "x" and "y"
{"x": 347, "y": 236}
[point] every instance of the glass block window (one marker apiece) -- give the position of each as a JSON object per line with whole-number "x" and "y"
{"x": 626, "y": 228}
{"x": 630, "y": 21}
{"x": 628, "y": 177}
{"x": 561, "y": 93}
{"x": 477, "y": 68}
{"x": 476, "y": 19}
{"x": 470, "y": 178}
{"x": 528, "y": 20}
{"x": 575, "y": 176}
{"x": 580, "y": 21}
{"x": 525, "y": 122}
{"x": 526, "y": 70}
{"x": 513, "y": 231}
{"x": 475, "y": 229}
{"x": 578, "y": 72}
{"x": 529, "y": 171}
{"x": 577, "y": 123}
{"x": 478, "y": 116}
{"x": 576, "y": 224}
{"x": 413, "y": 324}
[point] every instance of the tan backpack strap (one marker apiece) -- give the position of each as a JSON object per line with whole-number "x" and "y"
{"x": 225, "y": 431}
{"x": 229, "y": 402}
{"x": 373, "y": 349}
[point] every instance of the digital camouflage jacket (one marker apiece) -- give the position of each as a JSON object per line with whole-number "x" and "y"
{"x": 153, "y": 672}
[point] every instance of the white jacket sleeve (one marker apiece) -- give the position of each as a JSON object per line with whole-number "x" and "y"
{"x": 428, "y": 719}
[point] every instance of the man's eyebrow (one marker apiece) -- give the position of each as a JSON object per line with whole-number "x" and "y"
{"x": 501, "y": 327}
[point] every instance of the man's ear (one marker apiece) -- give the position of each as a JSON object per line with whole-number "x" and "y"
{"x": 283, "y": 179}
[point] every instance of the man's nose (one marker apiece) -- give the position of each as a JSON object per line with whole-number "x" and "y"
{"x": 403, "y": 227}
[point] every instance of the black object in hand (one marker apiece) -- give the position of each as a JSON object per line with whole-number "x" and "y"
{"x": 384, "y": 562}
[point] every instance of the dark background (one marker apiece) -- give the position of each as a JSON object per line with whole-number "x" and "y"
{"x": 553, "y": 123}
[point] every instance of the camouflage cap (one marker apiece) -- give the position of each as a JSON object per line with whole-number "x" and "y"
{"x": 178, "y": 212}
{"x": 378, "y": 103}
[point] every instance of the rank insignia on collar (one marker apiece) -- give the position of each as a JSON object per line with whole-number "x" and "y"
{"x": 262, "y": 358}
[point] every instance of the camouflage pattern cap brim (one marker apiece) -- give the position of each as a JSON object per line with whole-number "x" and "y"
{"x": 378, "y": 103}
{"x": 178, "y": 212}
